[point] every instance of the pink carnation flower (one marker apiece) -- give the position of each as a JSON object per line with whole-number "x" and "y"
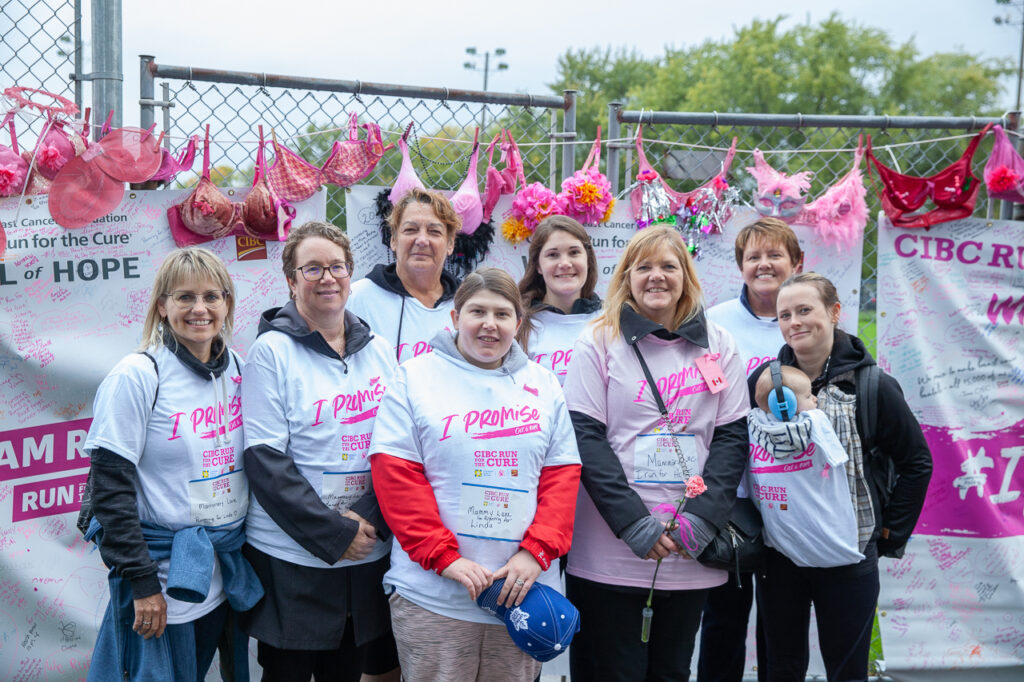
{"x": 587, "y": 196}
{"x": 534, "y": 203}
{"x": 695, "y": 486}
{"x": 1003, "y": 179}
{"x": 50, "y": 157}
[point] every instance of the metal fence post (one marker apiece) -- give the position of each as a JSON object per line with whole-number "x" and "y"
{"x": 1012, "y": 124}
{"x": 78, "y": 54}
{"x": 107, "y": 73}
{"x": 146, "y": 91}
{"x": 569, "y": 135}
{"x": 165, "y": 89}
{"x": 612, "y": 169}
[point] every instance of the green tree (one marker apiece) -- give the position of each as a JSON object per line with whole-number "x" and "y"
{"x": 833, "y": 67}
{"x": 601, "y": 76}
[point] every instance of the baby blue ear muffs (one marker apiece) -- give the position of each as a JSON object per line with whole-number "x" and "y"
{"x": 781, "y": 399}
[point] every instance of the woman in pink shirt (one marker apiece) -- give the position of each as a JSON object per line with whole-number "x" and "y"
{"x": 636, "y": 462}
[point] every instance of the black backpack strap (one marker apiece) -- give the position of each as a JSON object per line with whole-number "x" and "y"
{"x": 867, "y": 379}
{"x": 882, "y": 470}
{"x": 157, "y": 370}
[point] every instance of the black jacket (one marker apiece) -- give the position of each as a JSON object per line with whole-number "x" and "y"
{"x": 898, "y": 437}
{"x": 386, "y": 277}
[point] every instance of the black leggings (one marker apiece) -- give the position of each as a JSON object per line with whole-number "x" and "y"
{"x": 844, "y": 601}
{"x": 608, "y": 647}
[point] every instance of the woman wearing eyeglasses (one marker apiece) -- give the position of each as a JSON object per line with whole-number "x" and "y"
{"x": 316, "y": 537}
{"x": 166, "y": 449}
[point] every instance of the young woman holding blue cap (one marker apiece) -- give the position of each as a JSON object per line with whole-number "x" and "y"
{"x": 476, "y": 471}
{"x": 638, "y": 464}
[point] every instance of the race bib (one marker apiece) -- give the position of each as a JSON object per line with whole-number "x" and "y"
{"x": 656, "y": 460}
{"x": 219, "y": 500}
{"x": 341, "y": 489}
{"x": 493, "y": 513}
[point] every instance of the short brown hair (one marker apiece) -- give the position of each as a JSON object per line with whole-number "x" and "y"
{"x": 442, "y": 208}
{"x": 313, "y": 228}
{"x": 489, "y": 279}
{"x": 771, "y": 231}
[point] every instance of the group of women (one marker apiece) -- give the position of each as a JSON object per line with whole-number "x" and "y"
{"x": 393, "y": 447}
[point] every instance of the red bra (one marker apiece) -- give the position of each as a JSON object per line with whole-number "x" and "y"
{"x": 953, "y": 190}
{"x": 206, "y": 214}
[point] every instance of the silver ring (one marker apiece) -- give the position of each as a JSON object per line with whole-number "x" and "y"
{"x": 147, "y": 622}
{"x": 520, "y": 582}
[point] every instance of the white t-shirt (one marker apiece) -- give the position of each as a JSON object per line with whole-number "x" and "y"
{"x": 553, "y": 337}
{"x": 758, "y": 339}
{"x": 483, "y": 437}
{"x": 607, "y": 383}
{"x": 187, "y": 450}
{"x": 805, "y": 499}
{"x": 383, "y": 311}
{"x": 320, "y": 411}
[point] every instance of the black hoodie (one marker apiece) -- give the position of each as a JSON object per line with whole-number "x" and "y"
{"x": 898, "y": 437}
{"x": 386, "y": 277}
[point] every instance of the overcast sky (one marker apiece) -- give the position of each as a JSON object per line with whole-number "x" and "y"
{"x": 423, "y": 43}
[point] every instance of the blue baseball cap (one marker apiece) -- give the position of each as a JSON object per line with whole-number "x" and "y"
{"x": 542, "y": 626}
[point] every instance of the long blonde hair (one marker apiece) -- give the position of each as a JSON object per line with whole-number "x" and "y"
{"x": 179, "y": 266}
{"x": 649, "y": 243}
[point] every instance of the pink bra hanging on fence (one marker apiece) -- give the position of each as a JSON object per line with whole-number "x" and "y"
{"x": 504, "y": 181}
{"x": 207, "y": 214}
{"x": 171, "y": 166}
{"x": 586, "y": 195}
{"x": 295, "y": 179}
{"x": 13, "y": 168}
{"x": 1004, "y": 170}
{"x": 676, "y": 199}
{"x": 465, "y": 200}
{"x": 839, "y": 215}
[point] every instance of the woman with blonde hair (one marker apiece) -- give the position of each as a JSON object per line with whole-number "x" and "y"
{"x": 166, "y": 471}
{"x": 657, "y": 398}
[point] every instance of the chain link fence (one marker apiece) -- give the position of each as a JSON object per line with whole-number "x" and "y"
{"x": 38, "y": 49}
{"x": 688, "y": 149}
{"x": 308, "y": 115}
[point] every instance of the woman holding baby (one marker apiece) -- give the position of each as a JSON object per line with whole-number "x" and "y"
{"x": 886, "y": 477}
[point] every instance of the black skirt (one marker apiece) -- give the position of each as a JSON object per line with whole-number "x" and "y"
{"x": 306, "y": 608}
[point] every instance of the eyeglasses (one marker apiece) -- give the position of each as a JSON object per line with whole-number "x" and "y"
{"x": 315, "y": 273}
{"x": 186, "y": 300}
